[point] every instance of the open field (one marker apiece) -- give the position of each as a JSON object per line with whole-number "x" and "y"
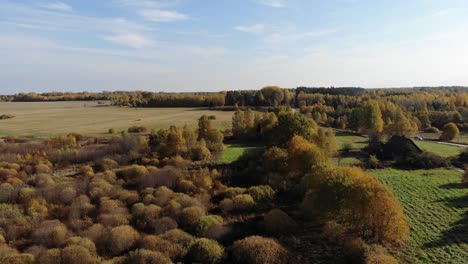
{"x": 357, "y": 142}
{"x": 50, "y": 118}
{"x": 436, "y": 206}
{"x": 234, "y": 151}
{"x": 440, "y": 149}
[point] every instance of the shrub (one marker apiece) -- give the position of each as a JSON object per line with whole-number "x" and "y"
{"x": 137, "y": 129}
{"x": 200, "y": 153}
{"x": 190, "y": 215}
{"x": 378, "y": 255}
{"x": 16, "y": 258}
{"x": 43, "y": 180}
{"x": 67, "y": 195}
{"x": 178, "y": 236}
{"x": 432, "y": 130}
{"x": 278, "y": 222}
{"x": 243, "y": 202}
{"x": 450, "y": 132}
{"x": 143, "y": 256}
{"x": 261, "y": 193}
{"x": 41, "y": 168}
{"x": 105, "y": 165}
{"x": 203, "y": 250}
{"x": 373, "y": 162}
{"x": 172, "y": 250}
{"x": 163, "y": 225}
{"x": 133, "y": 174}
{"x": 303, "y": 155}
{"x": 259, "y": 250}
{"x": 226, "y": 205}
{"x": 51, "y": 256}
{"x": 465, "y": 176}
{"x": 358, "y": 200}
{"x": 96, "y": 233}
{"x": 50, "y": 233}
{"x": 206, "y": 222}
{"x": 276, "y": 160}
{"x": 122, "y": 239}
{"x": 75, "y": 254}
{"x": 233, "y": 191}
{"x": 84, "y": 242}
{"x": 145, "y": 216}
{"x": 333, "y": 232}
{"x": 111, "y": 131}
{"x": 426, "y": 160}
{"x": 8, "y": 194}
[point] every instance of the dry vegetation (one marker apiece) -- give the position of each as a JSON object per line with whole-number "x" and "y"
{"x": 157, "y": 188}
{"x": 52, "y": 118}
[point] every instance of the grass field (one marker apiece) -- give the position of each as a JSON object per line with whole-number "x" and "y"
{"x": 436, "y": 207}
{"x": 440, "y": 149}
{"x": 357, "y": 142}
{"x": 51, "y": 118}
{"x": 234, "y": 151}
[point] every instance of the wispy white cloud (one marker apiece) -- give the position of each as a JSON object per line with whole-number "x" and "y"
{"x": 130, "y": 40}
{"x": 59, "y": 6}
{"x": 440, "y": 13}
{"x": 272, "y": 3}
{"x": 147, "y": 3}
{"x": 158, "y": 15}
{"x": 257, "y": 28}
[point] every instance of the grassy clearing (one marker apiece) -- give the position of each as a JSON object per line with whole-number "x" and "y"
{"x": 234, "y": 151}
{"x": 349, "y": 161}
{"x": 357, "y": 142}
{"x": 436, "y": 207}
{"x": 52, "y": 118}
{"x": 440, "y": 149}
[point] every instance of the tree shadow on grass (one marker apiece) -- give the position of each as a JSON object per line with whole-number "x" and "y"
{"x": 458, "y": 233}
{"x": 454, "y": 185}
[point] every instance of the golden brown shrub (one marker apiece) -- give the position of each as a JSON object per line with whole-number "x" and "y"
{"x": 243, "y": 202}
{"x": 143, "y": 256}
{"x": 261, "y": 193}
{"x": 67, "y": 195}
{"x": 378, "y": 255}
{"x": 190, "y": 215}
{"x": 87, "y": 243}
{"x": 50, "y": 233}
{"x": 174, "y": 251}
{"x": 75, "y": 254}
{"x": 178, "y": 236}
{"x": 205, "y": 222}
{"x": 277, "y": 222}
{"x": 51, "y": 256}
{"x": 203, "y": 250}
{"x": 122, "y": 239}
{"x": 357, "y": 200}
{"x": 163, "y": 225}
{"x": 259, "y": 250}
{"x": 42, "y": 168}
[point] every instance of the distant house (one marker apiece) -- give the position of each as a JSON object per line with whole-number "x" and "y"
{"x": 400, "y": 147}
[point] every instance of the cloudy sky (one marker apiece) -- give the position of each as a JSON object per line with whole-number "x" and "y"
{"x": 213, "y": 45}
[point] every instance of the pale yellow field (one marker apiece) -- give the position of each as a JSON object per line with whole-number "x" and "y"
{"x": 52, "y": 118}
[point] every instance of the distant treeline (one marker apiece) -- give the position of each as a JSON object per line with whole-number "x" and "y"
{"x": 59, "y": 96}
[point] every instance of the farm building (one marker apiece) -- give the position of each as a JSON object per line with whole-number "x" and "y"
{"x": 400, "y": 147}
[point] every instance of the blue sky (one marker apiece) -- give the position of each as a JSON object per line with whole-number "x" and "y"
{"x": 214, "y": 45}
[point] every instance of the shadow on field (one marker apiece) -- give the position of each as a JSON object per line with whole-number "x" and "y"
{"x": 458, "y": 233}
{"x": 454, "y": 185}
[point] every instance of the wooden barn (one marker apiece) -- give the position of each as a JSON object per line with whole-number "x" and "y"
{"x": 400, "y": 147}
